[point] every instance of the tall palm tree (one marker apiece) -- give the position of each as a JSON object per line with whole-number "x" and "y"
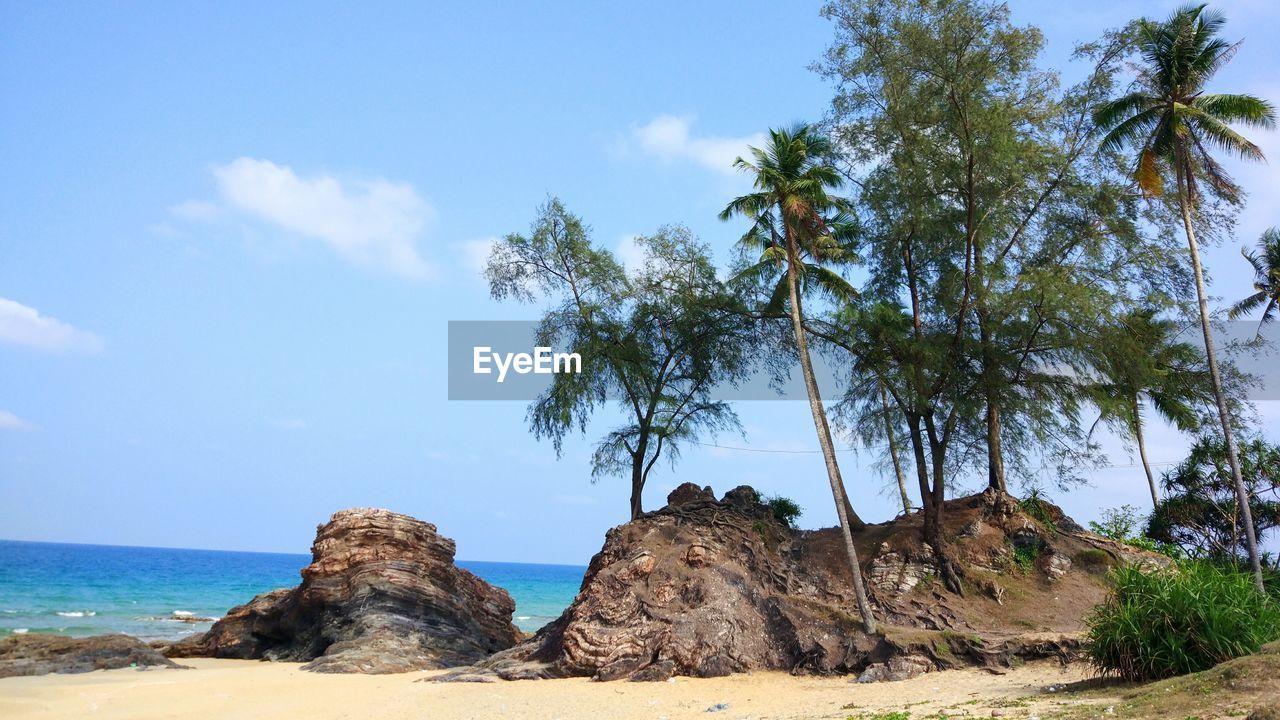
{"x": 1266, "y": 280}
{"x": 1174, "y": 123}
{"x": 797, "y": 226}
{"x": 1140, "y": 359}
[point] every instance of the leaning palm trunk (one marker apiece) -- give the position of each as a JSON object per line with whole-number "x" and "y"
{"x": 1233, "y": 456}
{"x": 1142, "y": 452}
{"x": 824, "y": 438}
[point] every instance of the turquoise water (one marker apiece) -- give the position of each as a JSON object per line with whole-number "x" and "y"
{"x": 146, "y": 592}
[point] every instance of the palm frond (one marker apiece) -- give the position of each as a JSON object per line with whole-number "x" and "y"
{"x": 1248, "y": 110}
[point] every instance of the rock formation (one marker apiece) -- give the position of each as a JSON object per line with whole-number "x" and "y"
{"x": 381, "y": 595}
{"x": 40, "y": 654}
{"x": 706, "y": 588}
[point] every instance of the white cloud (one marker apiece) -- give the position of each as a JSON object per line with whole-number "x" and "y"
{"x": 9, "y": 421}
{"x": 475, "y": 254}
{"x": 196, "y": 210}
{"x": 630, "y": 254}
{"x": 669, "y": 138}
{"x": 375, "y": 223}
{"x": 22, "y": 325}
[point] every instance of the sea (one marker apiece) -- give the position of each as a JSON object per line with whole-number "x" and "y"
{"x": 166, "y": 593}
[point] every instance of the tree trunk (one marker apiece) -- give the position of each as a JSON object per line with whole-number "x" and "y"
{"x": 1233, "y": 456}
{"x": 893, "y": 451}
{"x": 933, "y": 520}
{"x": 637, "y": 489}
{"x": 995, "y": 457}
{"x": 1142, "y": 452}
{"x": 824, "y": 438}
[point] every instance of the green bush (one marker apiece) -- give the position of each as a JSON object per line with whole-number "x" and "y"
{"x": 785, "y": 510}
{"x": 1025, "y": 557}
{"x": 1169, "y": 550}
{"x": 1165, "y": 622}
{"x": 1118, "y": 523}
{"x": 1037, "y": 507}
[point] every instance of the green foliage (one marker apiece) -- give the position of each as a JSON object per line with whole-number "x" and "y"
{"x": 993, "y": 234}
{"x": 1169, "y": 550}
{"x": 654, "y": 340}
{"x": 1037, "y": 507}
{"x": 1117, "y": 523}
{"x": 1025, "y": 556}
{"x": 1164, "y": 622}
{"x": 883, "y": 715}
{"x": 1120, "y": 524}
{"x": 1171, "y": 118}
{"x": 785, "y": 510}
{"x": 1266, "y": 280}
{"x": 1200, "y": 514}
{"x": 1138, "y": 357}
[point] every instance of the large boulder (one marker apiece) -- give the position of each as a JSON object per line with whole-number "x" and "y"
{"x": 381, "y": 595}
{"x": 700, "y": 587}
{"x": 40, "y": 654}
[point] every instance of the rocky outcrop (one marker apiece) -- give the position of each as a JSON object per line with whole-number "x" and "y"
{"x": 708, "y": 587}
{"x": 701, "y": 587}
{"x": 40, "y": 654}
{"x": 381, "y": 595}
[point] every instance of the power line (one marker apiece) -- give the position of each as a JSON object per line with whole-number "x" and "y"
{"x": 781, "y": 451}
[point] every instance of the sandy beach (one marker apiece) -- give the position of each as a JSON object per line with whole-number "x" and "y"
{"x": 250, "y": 689}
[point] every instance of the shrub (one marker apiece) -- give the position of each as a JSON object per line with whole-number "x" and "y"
{"x": 1024, "y": 557}
{"x": 1118, "y": 523}
{"x": 1169, "y": 550}
{"x": 1165, "y": 622}
{"x": 1037, "y": 507}
{"x": 785, "y": 510}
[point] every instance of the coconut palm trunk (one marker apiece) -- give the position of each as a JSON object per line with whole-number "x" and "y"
{"x": 1224, "y": 413}
{"x": 820, "y": 424}
{"x": 1142, "y": 452}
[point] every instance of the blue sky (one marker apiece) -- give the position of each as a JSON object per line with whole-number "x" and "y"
{"x": 232, "y": 234}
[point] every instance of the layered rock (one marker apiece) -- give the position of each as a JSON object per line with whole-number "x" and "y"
{"x": 708, "y": 587}
{"x": 701, "y": 587}
{"x": 40, "y": 654}
{"x": 381, "y": 595}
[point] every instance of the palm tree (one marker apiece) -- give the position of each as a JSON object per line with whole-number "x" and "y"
{"x": 1266, "y": 280}
{"x": 1140, "y": 359}
{"x": 1174, "y": 123}
{"x": 797, "y": 227}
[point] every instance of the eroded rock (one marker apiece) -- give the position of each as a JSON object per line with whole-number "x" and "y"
{"x": 41, "y": 654}
{"x": 381, "y": 595}
{"x": 896, "y": 574}
{"x": 700, "y": 588}
{"x": 903, "y": 667}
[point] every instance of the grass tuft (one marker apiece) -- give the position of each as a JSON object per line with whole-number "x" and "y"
{"x": 1172, "y": 621}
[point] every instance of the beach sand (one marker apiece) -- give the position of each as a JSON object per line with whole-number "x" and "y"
{"x": 245, "y": 689}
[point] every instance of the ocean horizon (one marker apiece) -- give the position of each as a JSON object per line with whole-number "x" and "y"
{"x": 158, "y": 593}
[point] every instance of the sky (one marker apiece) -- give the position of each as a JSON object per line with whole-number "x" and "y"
{"x": 232, "y": 235}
